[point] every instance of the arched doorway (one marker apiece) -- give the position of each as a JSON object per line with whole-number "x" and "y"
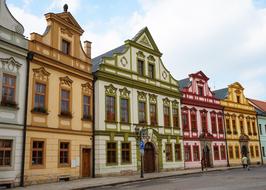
{"x": 206, "y": 156}
{"x": 149, "y": 158}
{"x": 244, "y": 150}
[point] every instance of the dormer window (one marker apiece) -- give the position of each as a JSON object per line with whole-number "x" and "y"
{"x": 141, "y": 67}
{"x": 65, "y": 47}
{"x": 200, "y": 90}
{"x": 238, "y": 99}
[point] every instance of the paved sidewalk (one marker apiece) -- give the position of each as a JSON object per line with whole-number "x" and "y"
{"x": 104, "y": 181}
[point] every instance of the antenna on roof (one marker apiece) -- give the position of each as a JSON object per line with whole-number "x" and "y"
{"x": 65, "y": 7}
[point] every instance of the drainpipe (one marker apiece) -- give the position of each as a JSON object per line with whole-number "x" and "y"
{"x": 226, "y": 148}
{"x": 261, "y": 156}
{"x": 93, "y": 127}
{"x": 29, "y": 58}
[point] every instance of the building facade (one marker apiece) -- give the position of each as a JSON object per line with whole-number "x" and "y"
{"x": 261, "y": 119}
{"x": 202, "y": 122}
{"x": 59, "y": 118}
{"x": 13, "y": 68}
{"x": 240, "y": 125}
{"x": 133, "y": 92}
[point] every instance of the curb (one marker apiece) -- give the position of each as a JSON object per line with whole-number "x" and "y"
{"x": 157, "y": 177}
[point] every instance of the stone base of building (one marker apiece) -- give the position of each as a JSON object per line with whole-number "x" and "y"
{"x": 49, "y": 179}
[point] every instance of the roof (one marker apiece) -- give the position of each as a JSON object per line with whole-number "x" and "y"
{"x": 184, "y": 83}
{"x": 221, "y": 93}
{"x": 261, "y": 105}
{"x": 98, "y": 60}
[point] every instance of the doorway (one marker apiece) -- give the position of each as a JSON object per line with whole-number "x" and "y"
{"x": 149, "y": 158}
{"x": 244, "y": 151}
{"x": 206, "y": 156}
{"x": 86, "y": 162}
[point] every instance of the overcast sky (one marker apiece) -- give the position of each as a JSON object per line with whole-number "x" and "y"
{"x": 226, "y": 39}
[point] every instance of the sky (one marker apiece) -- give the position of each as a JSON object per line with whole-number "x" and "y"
{"x": 226, "y": 39}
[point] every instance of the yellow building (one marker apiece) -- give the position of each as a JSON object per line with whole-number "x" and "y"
{"x": 59, "y": 116}
{"x": 240, "y": 123}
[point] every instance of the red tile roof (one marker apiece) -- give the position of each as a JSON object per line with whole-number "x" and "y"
{"x": 260, "y": 104}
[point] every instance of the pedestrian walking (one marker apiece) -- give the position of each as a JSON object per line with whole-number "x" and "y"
{"x": 245, "y": 161}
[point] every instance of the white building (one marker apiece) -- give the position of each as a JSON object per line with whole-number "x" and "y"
{"x": 13, "y": 52}
{"x": 133, "y": 90}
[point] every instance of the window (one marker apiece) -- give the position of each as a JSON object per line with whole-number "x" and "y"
{"x": 8, "y": 90}
{"x": 196, "y": 156}
{"x": 252, "y": 151}
{"x": 223, "y": 153}
{"x": 65, "y": 47}
{"x": 249, "y": 128}
{"x": 204, "y": 121}
{"x": 260, "y": 128}
{"x": 257, "y": 151}
{"x": 141, "y": 67}
{"x": 193, "y": 121}
{"x": 175, "y": 118}
{"x": 254, "y": 128}
{"x": 187, "y": 152}
{"x": 65, "y": 102}
{"x": 185, "y": 121}
{"x": 5, "y": 152}
{"x": 234, "y": 127}
{"x": 178, "y": 156}
{"x": 216, "y": 152}
{"x": 263, "y": 151}
{"x": 166, "y": 113}
{"x": 64, "y": 158}
{"x": 241, "y": 127}
{"x": 168, "y": 152}
{"x": 213, "y": 122}
{"x": 153, "y": 114}
{"x": 220, "y": 125}
{"x": 151, "y": 71}
{"x": 238, "y": 99}
{"x": 228, "y": 127}
{"x": 124, "y": 110}
{"x": 110, "y": 108}
{"x": 200, "y": 90}
{"x": 111, "y": 153}
{"x": 39, "y": 97}
{"x": 125, "y": 152}
{"x": 86, "y": 107}
{"x": 237, "y": 152}
{"x": 37, "y": 157}
{"x": 231, "y": 153}
{"x": 142, "y": 112}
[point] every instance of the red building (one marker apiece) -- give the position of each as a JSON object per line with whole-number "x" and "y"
{"x": 202, "y": 121}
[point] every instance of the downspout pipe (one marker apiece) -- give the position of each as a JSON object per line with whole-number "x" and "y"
{"x": 261, "y": 156}
{"x": 93, "y": 127}
{"x": 29, "y": 59}
{"x": 226, "y": 147}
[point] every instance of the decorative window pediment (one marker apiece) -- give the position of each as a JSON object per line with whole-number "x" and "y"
{"x": 110, "y": 90}
{"x": 151, "y": 58}
{"x": 193, "y": 110}
{"x": 175, "y": 104}
{"x": 87, "y": 88}
{"x": 241, "y": 116}
{"x": 140, "y": 54}
{"x": 10, "y": 64}
{"x": 142, "y": 96}
{"x": 66, "y": 81}
{"x": 124, "y": 93}
{"x": 166, "y": 102}
{"x": 41, "y": 74}
{"x": 153, "y": 98}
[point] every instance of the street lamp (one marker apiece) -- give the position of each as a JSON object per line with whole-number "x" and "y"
{"x": 139, "y": 133}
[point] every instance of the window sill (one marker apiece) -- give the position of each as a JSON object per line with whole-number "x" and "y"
{"x": 37, "y": 166}
{"x": 111, "y": 164}
{"x": 39, "y": 112}
{"x": 125, "y": 123}
{"x": 10, "y": 107}
{"x": 86, "y": 119}
{"x": 126, "y": 163}
{"x": 64, "y": 166}
{"x": 68, "y": 116}
{"x": 107, "y": 121}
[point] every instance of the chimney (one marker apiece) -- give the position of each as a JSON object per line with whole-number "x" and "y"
{"x": 87, "y": 48}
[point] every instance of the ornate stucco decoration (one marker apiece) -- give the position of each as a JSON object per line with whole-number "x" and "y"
{"x": 86, "y": 88}
{"x": 175, "y": 104}
{"x": 164, "y": 74}
{"x": 41, "y": 74}
{"x": 237, "y": 91}
{"x": 66, "y": 31}
{"x": 142, "y": 96}
{"x": 124, "y": 93}
{"x": 153, "y": 98}
{"x": 110, "y": 90}
{"x": 10, "y": 64}
{"x": 66, "y": 81}
{"x": 140, "y": 54}
{"x": 151, "y": 58}
{"x": 144, "y": 41}
{"x": 166, "y": 102}
{"x": 123, "y": 61}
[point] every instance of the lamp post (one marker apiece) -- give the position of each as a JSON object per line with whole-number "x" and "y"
{"x": 139, "y": 133}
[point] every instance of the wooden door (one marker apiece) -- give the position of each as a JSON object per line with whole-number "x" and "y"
{"x": 86, "y": 162}
{"x": 149, "y": 158}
